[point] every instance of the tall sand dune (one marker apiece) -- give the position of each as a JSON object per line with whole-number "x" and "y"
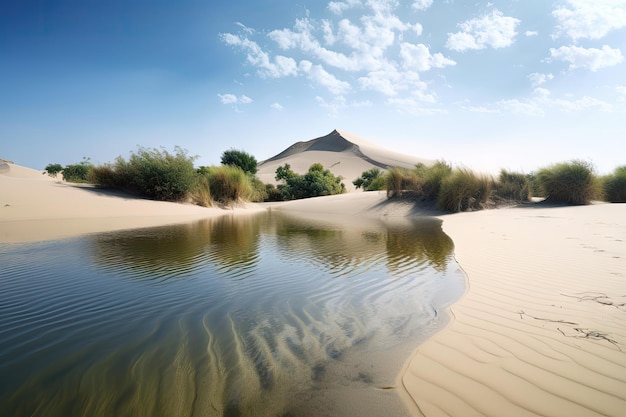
{"x": 342, "y": 153}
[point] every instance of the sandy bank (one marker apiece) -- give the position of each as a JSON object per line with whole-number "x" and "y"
{"x": 542, "y": 328}
{"x": 36, "y": 207}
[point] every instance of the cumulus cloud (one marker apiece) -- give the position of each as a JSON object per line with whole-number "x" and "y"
{"x": 537, "y": 79}
{"x": 422, "y": 4}
{"x": 589, "y": 58}
{"x": 584, "y": 19}
{"x": 338, "y": 7}
{"x": 277, "y": 106}
{"x": 491, "y": 30}
{"x": 319, "y": 75}
{"x": 541, "y": 101}
{"x": 278, "y": 67}
{"x": 233, "y": 99}
{"x": 419, "y": 58}
{"x": 530, "y": 33}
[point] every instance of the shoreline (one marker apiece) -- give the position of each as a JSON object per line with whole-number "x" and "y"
{"x": 540, "y": 330}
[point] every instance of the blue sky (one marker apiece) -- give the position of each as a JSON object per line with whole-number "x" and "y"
{"x": 488, "y": 85}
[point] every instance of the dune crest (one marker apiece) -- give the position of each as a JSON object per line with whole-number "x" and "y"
{"x": 342, "y": 153}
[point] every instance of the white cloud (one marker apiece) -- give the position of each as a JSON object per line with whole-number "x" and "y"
{"x": 277, "y": 106}
{"x": 419, "y": 58}
{"x": 338, "y": 7}
{"x": 245, "y": 28}
{"x": 281, "y": 66}
{"x": 590, "y": 58}
{"x": 537, "y": 79}
{"x": 422, "y": 4}
{"x": 621, "y": 89}
{"x": 586, "y": 19}
{"x": 319, "y": 75}
{"x": 530, "y": 33}
{"x": 233, "y": 99}
{"x": 493, "y": 29}
{"x": 541, "y": 101}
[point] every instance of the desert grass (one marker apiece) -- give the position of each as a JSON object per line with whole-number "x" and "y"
{"x": 464, "y": 190}
{"x": 615, "y": 186}
{"x": 572, "y": 182}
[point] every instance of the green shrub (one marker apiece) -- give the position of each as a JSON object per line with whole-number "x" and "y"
{"x": 77, "y": 172}
{"x": 227, "y": 183}
{"x": 400, "y": 181}
{"x": 464, "y": 190}
{"x": 152, "y": 173}
{"x": 370, "y": 180}
{"x": 201, "y": 193}
{"x": 53, "y": 169}
{"x": 241, "y": 159}
{"x": 316, "y": 182}
{"x": 273, "y": 193}
{"x": 615, "y": 186}
{"x": 432, "y": 177}
{"x": 570, "y": 182}
{"x": 513, "y": 187}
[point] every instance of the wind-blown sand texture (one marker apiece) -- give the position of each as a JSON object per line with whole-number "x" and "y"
{"x": 340, "y": 152}
{"x": 542, "y": 328}
{"x": 37, "y": 207}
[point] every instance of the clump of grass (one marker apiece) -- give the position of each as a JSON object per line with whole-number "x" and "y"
{"x": 400, "y": 181}
{"x": 227, "y": 183}
{"x": 153, "y": 173}
{"x": 512, "y": 187}
{"x": 432, "y": 177}
{"x": 570, "y": 182}
{"x": 615, "y": 186}
{"x": 201, "y": 194}
{"x": 464, "y": 190}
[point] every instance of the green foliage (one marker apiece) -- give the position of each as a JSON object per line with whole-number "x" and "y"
{"x": 464, "y": 190}
{"x": 399, "y": 181}
{"x": 227, "y": 183}
{"x": 53, "y": 169}
{"x": 153, "y": 173}
{"x": 615, "y": 186}
{"x": 371, "y": 180}
{"x": 512, "y": 187}
{"x": 77, "y": 172}
{"x": 570, "y": 182}
{"x": 273, "y": 193}
{"x": 432, "y": 178}
{"x": 316, "y": 182}
{"x": 241, "y": 159}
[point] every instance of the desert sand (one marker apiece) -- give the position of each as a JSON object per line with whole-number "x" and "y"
{"x": 541, "y": 330}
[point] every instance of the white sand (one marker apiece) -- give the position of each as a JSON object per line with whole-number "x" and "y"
{"x": 541, "y": 330}
{"x": 36, "y": 207}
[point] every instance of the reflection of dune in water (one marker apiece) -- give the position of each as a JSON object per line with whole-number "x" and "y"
{"x": 264, "y": 315}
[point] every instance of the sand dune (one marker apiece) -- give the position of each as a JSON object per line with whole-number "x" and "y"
{"x": 36, "y": 207}
{"x": 342, "y": 153}
{"x": 541, "y": 330}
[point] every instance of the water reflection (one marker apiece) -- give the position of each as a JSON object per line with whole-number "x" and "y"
{"x": 256, "y": 315}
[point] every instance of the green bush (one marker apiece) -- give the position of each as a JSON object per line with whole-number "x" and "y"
{"x": 464, "y": 190}
{"x": 227, "y": 183}
{"x": 512, "y": 187}
{"x": 570, "y": 182}
{"x": 316, "y": 182}
{"x": 400, "y": 181}
{"x": 53, "y": 169}
{"x": 77, "y": 172}
{"x": 432, "y": 177}
{"x": 615, "y": 186}
{"x": 241, "y": 159}
{"x": 370, "y": 180}
{"x": 153, "y": 173}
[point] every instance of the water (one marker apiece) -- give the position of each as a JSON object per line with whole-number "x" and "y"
{"x": 238, "y": 316}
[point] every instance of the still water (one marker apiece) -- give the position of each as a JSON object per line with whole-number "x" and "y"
{"x": 260, "y": 315}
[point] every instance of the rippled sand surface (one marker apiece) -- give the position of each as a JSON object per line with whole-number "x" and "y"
{"x": 256, "y": 315}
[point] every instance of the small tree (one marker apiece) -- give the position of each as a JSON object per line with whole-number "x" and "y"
{"x": 77, "y": 172}
{"x": 316, "y": 182}
{"x": 371, "y": 180}
{"x": 241, "y": 159}
{"x": 53, "y": 169}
